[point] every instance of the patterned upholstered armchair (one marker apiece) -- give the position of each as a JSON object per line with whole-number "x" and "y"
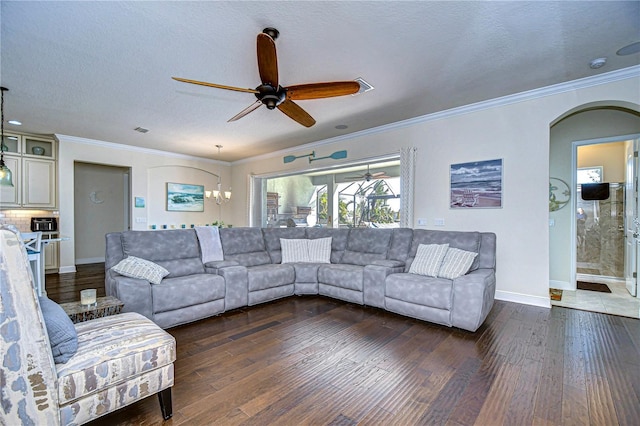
{"x": 119, "y": 359}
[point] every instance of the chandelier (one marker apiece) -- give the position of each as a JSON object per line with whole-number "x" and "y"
{"x": 218, "y": 195}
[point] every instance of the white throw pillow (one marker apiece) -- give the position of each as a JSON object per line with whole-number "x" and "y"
{"x": 428, "y": 259}
{"x": 320, "y": 250}
{"x": 294, "y": 250}
{"x": 456, "y": 263}
{"x": 135, "y": 267}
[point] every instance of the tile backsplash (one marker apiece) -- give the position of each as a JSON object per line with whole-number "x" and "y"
{"x": 21, "y": 219}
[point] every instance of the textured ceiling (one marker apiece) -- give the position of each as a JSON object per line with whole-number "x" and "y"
{"x": 98, "y": 70}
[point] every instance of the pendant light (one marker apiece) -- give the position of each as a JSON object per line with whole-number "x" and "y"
{"x": 219, "y": 196}
{"x": 5, "y": 173}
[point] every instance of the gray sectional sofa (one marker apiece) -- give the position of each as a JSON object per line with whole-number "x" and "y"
{"x": 367, "y": 266}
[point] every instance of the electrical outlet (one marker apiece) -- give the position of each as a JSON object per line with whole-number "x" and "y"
{"x": 438, "y": 221}
{"x": 141, "y": 220}
{"x": 422, "y": 222}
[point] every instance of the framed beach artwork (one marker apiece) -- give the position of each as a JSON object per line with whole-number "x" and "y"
{"x": 182, "y": 197}
{"x": 476, "y": 185}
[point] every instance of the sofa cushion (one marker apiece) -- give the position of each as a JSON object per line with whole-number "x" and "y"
{"x": 135, "y": 267}
{"x": 342, "y": 275}
{"x": 111, "y": 350}
{"x": 428, "y": 259}
{"x": 272, "y": 240}
{"x": 468, "y": 241}
{"x": 339, "y": 239}
{"x": 181, "y": 292}
{"x": 165, "y": 245}
{"x": 262, "y": 277}
{"x": 182, "y": 267}
{"x": 366, "y": 245}
{"x": 244, "y": 245}
{"x": 456, "y": 263}
{"x": 294, "y": 250}
{"x": 62, "y": 333}
{"x": 400, "y": 244}
{"x": 420, "y": 290}
{"x": 319, "y": 250}
{"x": 306, "y": 272}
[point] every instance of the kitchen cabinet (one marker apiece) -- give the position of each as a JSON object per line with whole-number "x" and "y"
{"x": 10, "y": 196}
{"x": 32, "y": 161}
{"x": 51, "y": 262}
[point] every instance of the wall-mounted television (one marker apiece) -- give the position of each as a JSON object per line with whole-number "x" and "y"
{"x": 594, "y": 191}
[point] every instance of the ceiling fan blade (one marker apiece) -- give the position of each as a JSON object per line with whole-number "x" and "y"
{"x": 245, "y": 111}
{"x": 267, "y": 60}
{"x": 217, "y": 86}
{"x": 295, "y": 112}
{"x": 376, "y": 174}
{"x": 322, "y": 90}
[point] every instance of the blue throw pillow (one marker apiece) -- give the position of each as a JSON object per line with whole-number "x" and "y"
{"x": 61, "y": 331}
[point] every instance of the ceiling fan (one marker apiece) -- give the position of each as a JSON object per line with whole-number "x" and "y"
{"x": 368, "y": 176}
{"x": 271, "y": 94}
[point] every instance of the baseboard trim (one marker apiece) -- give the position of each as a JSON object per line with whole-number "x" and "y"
{"x": 67, "y": 269}
{"x": 561, "y": 285}
{"x": 88, "y": 260}
{"x": 524, "y": 299}
{"x": 600, "y": 279}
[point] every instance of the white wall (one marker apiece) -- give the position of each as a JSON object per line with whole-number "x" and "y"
{"x": 517, "y": 130}
{"x": 102, "y": 213}
{"x": 593, "y": 124}
{"x": 148, "y": 180}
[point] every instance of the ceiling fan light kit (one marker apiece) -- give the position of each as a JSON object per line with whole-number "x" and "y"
{"x": 271, "y": 94}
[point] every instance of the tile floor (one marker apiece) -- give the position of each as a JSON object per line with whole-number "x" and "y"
{"x": 618, "y": 302}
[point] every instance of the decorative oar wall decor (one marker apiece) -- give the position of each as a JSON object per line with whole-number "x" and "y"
{"x": 338, "y": 155}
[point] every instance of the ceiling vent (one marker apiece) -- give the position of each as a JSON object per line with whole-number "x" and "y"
{"x": 364, "y": 86}
{"x": 141, "y": 129}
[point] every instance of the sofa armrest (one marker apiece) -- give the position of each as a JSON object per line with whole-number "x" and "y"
{"x": 236, "y": 283}
{"x": 389, "y": 263}
{"x": 375, "y": 277}
{"x": 212, "y": 267}
{"x": 136, "y": 295}
{"x": 473, "y": 296}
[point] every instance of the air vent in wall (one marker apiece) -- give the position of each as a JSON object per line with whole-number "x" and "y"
{"x": 364, "y": 86}
{"x": 141, "y": 129}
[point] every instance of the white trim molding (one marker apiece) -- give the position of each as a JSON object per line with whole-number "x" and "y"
{"x": 582, "y": 83}
{"x": 524, "y": 299}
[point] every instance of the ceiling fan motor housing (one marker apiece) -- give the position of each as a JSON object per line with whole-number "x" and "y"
{"x": 269, "y": 96}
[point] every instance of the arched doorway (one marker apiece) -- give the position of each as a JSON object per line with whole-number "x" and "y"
{"x": 582, "y": 126}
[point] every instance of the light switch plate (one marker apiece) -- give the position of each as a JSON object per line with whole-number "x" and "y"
{"x": 422, "y": 222}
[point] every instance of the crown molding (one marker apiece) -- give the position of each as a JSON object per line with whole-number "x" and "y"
{"x": 119, "y": 146}
{"x": 583, "y": 83}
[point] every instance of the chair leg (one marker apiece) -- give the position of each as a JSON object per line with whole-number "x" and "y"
{"x": 164, "y": 396}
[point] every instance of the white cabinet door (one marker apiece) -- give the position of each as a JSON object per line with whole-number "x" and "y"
{"x": 39, "y": 189}
{"x": 10, "y": 195}
{"x": 51, "y": 257}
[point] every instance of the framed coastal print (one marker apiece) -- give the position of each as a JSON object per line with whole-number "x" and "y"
{"x": 476, "y": 185}
{"x": 139, "y": 202}
{"x": 182, "y": 197}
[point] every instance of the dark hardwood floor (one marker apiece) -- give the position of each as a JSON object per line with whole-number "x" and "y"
{"x": 319, "y": 361}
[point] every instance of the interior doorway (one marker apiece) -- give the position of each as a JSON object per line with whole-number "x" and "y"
{"x": 101, "y": 205}
{"x": 606, "y": 205}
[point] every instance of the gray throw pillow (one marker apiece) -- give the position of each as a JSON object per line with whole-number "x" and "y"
{"x": 62, "y": 333}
